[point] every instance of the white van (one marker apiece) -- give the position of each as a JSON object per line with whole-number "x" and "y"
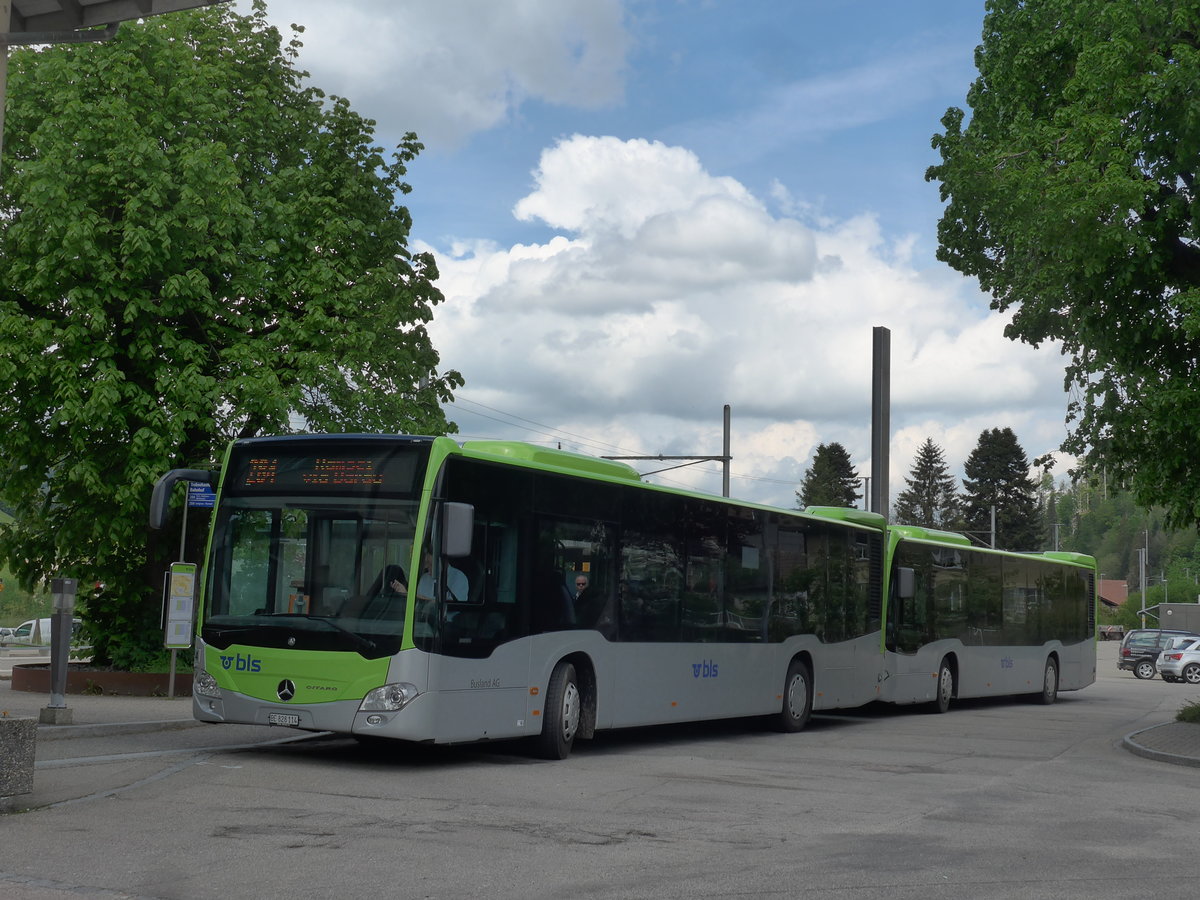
{"x": 37, "y": 632}
{"x": 32, "y": 631}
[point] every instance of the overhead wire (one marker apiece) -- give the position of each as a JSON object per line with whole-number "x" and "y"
{"x": 558, "y": 434}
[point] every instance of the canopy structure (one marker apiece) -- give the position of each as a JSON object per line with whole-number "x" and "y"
{"x": 60, "y": 21}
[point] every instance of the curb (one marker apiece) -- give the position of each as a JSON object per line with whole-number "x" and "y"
{"x": 1131, "y": 744}
{"x": 68, "y": 732}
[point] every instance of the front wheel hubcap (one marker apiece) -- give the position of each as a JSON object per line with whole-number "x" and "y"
{"x": 570, "y": 710}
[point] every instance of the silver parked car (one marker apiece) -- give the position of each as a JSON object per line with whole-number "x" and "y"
{"x": 1180, "y": 661}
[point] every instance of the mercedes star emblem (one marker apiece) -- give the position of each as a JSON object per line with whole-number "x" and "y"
{"x": 286, "y": 690}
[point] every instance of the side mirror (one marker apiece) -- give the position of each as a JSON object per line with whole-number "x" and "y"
{"x": 906, "y": 583}
{"x": 458, "y": 528}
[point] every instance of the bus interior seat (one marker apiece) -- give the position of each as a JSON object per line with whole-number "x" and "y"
{"x": 494, "y": 625}
{"x": 553, "y": 606}
{"x": 379, "y": 601}
{"x": 472, "y": 568}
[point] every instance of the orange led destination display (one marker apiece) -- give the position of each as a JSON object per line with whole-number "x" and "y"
{"x": 261, "y": 472}
{"x": 355, "y": 472}
{"x": 264, "y": 472}
{"x": 343, "y": 471}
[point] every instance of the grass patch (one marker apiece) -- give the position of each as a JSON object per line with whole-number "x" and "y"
{"x": 1190, "y": 712}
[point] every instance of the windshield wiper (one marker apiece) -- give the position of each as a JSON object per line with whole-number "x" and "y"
{"x": 359, "y": 640}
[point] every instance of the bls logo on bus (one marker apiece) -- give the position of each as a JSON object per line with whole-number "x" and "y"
{"x": 241, "y": 663}
{"x": 706, "y": 669}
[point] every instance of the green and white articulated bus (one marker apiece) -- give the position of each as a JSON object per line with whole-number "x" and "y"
{"x": 417, "y": 589}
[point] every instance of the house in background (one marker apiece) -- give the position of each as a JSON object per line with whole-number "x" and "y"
{"x": 1113, "y": 593}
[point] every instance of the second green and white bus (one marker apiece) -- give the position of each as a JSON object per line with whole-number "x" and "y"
{"x": 417, "y": 589}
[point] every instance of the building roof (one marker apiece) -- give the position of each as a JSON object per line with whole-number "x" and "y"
{"x": 1112, "y": 592}
{"x": 48, "y": 16}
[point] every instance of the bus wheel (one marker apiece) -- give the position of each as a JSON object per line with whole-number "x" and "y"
{"x": 797, "y": 698}
{"x": 560, "y": 722}
{"x": 945, "y": 687}
{"x": 1049, "y": 683}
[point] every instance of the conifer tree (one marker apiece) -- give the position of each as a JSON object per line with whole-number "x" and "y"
{"x": 931, "y": 498}
{"x": 831, "y": 479}
{"x": 998, "y": 477}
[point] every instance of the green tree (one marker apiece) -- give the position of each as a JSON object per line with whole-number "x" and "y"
{"x": 195, "y": 247}
{"x": 830, "y": 480}
{"x": 1071, "y": 195}
{"x": 998, "y": 478}
{"x": 931, "y": 498}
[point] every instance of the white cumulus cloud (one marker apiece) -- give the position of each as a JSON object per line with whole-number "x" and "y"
{"x": 669, "y": 292}
{"x": 455, "y": 67}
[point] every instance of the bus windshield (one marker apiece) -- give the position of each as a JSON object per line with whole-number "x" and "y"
{"x": 311, "y": 574}
{"x": 312, "y": 545}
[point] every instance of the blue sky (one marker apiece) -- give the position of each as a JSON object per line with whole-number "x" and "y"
{"x": 645, "y": 209}
{"x": 836, "y": 101}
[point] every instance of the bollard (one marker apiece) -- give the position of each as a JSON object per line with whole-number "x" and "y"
{"x": 63, "y": 592}
{"x": 18, "y": 737}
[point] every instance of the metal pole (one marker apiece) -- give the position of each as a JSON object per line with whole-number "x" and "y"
{"x": 1142, "y": 553}
{"x": 182, "y": 558}
{"x": 183, "y": 531}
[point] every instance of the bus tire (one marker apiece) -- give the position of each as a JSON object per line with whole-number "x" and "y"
{"x": 560, "y": 713}
{"x": 1049, "y": 692}
{"x": 945, "y": 687}
{"x": 797, "y": 698}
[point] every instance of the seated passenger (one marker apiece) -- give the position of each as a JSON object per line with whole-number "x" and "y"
{"x": 589, "y": 603}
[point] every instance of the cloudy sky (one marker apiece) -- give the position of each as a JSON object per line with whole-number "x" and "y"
{"x": 643, "y": 210}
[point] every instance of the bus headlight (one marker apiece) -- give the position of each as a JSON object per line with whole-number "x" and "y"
{"x": 204, "y": 685}
{"x": 389, "y": 698}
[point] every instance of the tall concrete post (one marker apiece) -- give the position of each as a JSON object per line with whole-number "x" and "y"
{"x": 881, "y": 418}
{"x": 725, "y": 457}
{"x": 62, "y": 590}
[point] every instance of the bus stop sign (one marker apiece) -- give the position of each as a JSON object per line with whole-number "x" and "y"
{"x": 200, "y": 495}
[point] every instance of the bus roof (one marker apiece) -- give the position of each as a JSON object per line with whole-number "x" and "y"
{"x": 847, "y": 514}
{"x": 1082, "y": 559}
{"x": 920, "y": 533}
{"x": 933, "y": 535}
{"x": 548, "y": 458}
